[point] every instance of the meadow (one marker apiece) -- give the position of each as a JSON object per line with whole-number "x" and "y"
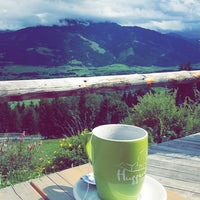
{"x": 17, "y": 72}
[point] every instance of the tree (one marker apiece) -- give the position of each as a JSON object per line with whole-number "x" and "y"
{"x": 187, "y": 67}
{"x": 21, "y": 107}
{"x": 131, "y": 99}
{"x": 118, "y": 110}
{"x": 30, "y": 120}
{"x": 186, "y": 90}
{"x": 63, "y": 117}
{"x": 16, "y": 123}
{"x": 112, "y": 110}
{"x": 92, "y": 105}
{"x": 46, "y": 118}
{"x": 5, "y": 117}
{"x": 103, "y": 116}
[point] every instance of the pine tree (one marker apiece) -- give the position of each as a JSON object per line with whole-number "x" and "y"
{"x": 92, "y": 104}
{"x": 29, "y": 121}
{"x": 186, "y": 90}
{"x": 5, "y": 117}
{"x": 16, "y": 123}
{"x": 103, "y": 117}
{"x": 46, "y": 119}
{"x": 118, "y": 110}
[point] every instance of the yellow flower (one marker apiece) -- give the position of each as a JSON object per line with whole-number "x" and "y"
{"x": 42, "y": 169}
{"x": 79, "y": 146}
{"x": 70, "y": 145}
{"x": 61, "y": 145}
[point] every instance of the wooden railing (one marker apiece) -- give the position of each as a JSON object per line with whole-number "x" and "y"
{"x": 47, "y": 88}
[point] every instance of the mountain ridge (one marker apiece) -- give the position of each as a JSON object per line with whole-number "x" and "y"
{"x": 94, "y": 44}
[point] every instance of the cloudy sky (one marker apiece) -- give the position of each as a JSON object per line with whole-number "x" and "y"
{"x": 162, "y": 15}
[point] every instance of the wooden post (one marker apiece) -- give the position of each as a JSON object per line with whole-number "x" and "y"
{"x": 47, "y": 88}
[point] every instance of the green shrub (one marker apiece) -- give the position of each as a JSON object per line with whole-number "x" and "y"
{"x": 158, "y": 114}
{"x": 71, "y": 153}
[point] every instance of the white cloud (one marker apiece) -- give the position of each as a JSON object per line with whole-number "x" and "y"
{"x": 154, "y": 14}
{"x": 171, "y": 25}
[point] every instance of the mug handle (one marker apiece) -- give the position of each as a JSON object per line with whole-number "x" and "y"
{"x": 88, "y": 149}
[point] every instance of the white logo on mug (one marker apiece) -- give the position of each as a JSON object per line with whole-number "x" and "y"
{"x": 133, "y": 173}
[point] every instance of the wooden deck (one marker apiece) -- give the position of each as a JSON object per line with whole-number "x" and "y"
{"x": 176, "y": 164}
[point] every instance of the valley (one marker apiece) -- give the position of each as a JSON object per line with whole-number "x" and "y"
{"x": 92, "y": 49}
{"x": 43, "y": 72}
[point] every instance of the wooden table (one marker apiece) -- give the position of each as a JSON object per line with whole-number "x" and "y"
{"x": 175, "y": 164}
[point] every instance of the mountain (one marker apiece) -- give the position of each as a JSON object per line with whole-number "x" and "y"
{"x": 89, "y": 44}
{"x": 190, "y": 34}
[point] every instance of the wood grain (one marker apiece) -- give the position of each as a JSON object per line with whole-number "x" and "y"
{"x": 48, "y": 88}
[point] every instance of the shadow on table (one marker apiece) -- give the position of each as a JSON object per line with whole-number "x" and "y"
{"x": 57, "y": 192}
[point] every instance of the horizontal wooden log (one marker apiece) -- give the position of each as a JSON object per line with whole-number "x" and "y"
{"x": 47, "y": 88}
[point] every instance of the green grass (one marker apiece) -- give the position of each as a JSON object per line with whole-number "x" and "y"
{"x": 48, "y": 148}
{"x": 95, "y": 46}
{"x": 77, "y": 69}
{"x": 13, "y": 104}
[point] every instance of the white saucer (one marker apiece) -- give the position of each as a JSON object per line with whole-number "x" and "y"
{"x": 151, "y": 190}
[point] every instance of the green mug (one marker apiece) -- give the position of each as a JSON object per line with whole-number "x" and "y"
{"x": 118, "y": 154}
